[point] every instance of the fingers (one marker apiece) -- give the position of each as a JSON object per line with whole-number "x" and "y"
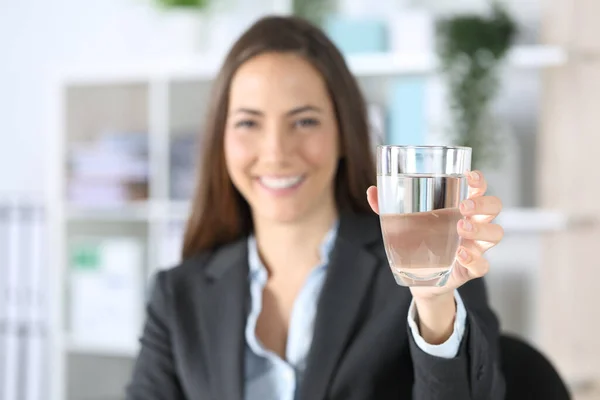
{"x": 477, "y": 184}
{"x": 373, "y": 199}
{"x": 470, "y": 256}
{"x": 489, "y": 206}
{"x": 486, "y": 232}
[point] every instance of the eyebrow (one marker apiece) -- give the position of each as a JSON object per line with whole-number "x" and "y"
{"x": 293, "y": 111}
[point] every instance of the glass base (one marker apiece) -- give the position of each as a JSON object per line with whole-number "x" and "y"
{"x": 421, "y": 277}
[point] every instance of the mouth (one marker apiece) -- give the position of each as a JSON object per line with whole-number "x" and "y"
{"x": 281, "y": 183}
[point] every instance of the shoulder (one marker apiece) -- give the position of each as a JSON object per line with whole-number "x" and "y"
{"x": 360, "y": 222}
{"x": 361, "y": 229}
{"x": 203, "y": 266}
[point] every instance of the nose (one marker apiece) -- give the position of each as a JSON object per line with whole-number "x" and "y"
{"x": 277, "y": 143}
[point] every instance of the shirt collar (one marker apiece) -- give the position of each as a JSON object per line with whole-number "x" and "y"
{"x": 257, "y": 269}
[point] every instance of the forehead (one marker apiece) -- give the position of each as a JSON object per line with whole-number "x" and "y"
{"x": 277, "y": 80}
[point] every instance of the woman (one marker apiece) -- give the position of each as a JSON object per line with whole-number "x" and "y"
{"x": 285, "y": 291}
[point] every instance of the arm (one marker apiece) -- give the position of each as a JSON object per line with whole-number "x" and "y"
{"x": 154, "y": 376}
{"x": 474, "y": 373}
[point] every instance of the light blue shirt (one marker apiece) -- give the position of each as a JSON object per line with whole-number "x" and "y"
{"x": 268, "y": 376}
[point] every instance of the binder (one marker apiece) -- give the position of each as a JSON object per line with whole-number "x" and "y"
{"x": 23, "y": 349}
{"x": 408, "y": 103}
{"x": 3, "y": 296}
{"x": 11, "y": 341}
{"x": 34, "y": 313}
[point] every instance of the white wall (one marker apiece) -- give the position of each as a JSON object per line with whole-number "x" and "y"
{"x": 34, "y": 36}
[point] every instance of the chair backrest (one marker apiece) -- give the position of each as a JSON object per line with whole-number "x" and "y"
{"x": 528, "y": 373}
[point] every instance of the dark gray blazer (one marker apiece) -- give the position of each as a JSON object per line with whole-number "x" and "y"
{"x": 193, "y": 340}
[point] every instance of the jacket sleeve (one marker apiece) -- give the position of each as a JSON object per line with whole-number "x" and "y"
{"x": 154, "y": 376}
{"x": 449, "y": 348}
{"x": 474, "y": 374}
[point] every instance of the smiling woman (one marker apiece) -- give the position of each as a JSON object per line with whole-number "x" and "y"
{"x": 285, "y": 291}
{"x": 290, "y": 89}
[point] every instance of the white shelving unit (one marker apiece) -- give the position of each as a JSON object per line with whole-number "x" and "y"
{"x": 363, "y": 65}
{"x": 165, "y": 98}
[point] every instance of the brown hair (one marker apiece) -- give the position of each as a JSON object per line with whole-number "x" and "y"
{"x": 219, "y": 213}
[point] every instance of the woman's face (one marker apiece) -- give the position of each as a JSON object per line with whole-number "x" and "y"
{"x": 281, "y": 138}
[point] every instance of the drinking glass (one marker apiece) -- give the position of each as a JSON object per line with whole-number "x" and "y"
{"x": 420, "y": 189}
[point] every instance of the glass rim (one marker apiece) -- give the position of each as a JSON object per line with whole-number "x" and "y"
{"x": 422, "y": 146}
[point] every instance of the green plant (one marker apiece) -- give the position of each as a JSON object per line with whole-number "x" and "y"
{"x": 471, "y": 49}
{"x": 314, "y": 11}
{"x": 192, "y": 4}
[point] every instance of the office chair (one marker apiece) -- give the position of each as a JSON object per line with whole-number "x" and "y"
{"x": 528, "y": 373}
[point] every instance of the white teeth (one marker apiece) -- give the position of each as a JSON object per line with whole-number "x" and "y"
{"x": 280, "y": 183}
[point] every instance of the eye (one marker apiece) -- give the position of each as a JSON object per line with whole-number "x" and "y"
{"x": 306, "y": 122}
{"x": 247, "y": 123}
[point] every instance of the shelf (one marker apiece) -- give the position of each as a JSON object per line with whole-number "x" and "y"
{"x": 397, "y": 64}
{"x": 383, "y": 64}
{"x": 513, "y": 220}
{"x": 125, "y": 212}
{"x": 102, "y": 351}
{"x": 531, "y": 220}
{"x": 179, "y": 210}
{"x": 525, "y": 220}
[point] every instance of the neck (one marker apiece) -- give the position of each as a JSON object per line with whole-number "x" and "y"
{"x": 293, "y": 247}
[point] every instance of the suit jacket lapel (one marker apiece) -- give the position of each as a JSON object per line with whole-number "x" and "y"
{"x": 223, "y": 303}
{"x": 350, "y": 274}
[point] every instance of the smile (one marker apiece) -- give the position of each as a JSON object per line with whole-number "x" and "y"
{"x": 281, "y": 183}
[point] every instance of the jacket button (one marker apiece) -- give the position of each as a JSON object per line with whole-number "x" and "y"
{"x": 480, "y": 372}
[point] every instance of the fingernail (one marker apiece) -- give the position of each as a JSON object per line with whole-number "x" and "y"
{"x": 462, "y": 254}
{"x": 468, "y": 204}
{"x": 466, "y": 225}
{"x": 475, "y": 176}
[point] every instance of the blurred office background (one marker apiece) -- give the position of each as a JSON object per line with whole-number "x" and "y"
{"x": 101, "y": 103}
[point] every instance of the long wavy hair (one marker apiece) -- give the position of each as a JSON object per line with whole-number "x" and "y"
{"x": 219, "y": 213}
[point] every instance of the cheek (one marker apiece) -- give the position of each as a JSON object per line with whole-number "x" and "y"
{"x": 323, "y": 151}
{"x": 238, "y": 155}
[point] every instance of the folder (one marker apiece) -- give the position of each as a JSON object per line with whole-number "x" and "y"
{"x": 10, "y": 361}
{"x": 408, "y": 116}
{"x": 23, "y": 349}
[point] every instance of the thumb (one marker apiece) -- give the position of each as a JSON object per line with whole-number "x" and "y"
{"x": 373, "y": 199}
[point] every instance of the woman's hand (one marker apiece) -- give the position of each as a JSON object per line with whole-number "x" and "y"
{"x": 435, "y": 305}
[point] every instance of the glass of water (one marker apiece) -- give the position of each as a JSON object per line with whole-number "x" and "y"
{"x": 420, "y": 189}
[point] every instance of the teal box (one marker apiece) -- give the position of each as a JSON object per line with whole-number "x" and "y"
{"x": 354, "y": 35}
{"x": 407, "y": 111}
